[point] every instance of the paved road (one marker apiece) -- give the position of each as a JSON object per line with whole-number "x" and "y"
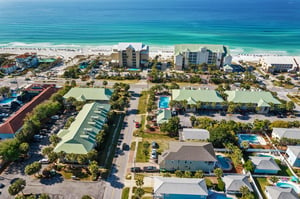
{"x": 115, "y": 182}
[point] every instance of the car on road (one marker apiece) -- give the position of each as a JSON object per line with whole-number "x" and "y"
{"x": 150, "y": 169}
{"x": 1, "y": 185}
{"x": 135, "y": 169}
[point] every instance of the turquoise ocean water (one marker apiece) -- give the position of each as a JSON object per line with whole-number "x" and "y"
{"x": 246, "y": 26}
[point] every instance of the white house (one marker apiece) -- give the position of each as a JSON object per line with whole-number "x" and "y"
{"x": 274, "y": 192}
{"x": 175, "y": 188}
{"x": 293, "y": 153}
{"x": 279, "y": 64}
{"x": 194, "y": 134}
{"x": 264, "y": 165}
{"x": 132, "y": 55}
{"x": 233, "y": 183}
{"x": 187, "y": 54}
{"x": 290, "y": 133}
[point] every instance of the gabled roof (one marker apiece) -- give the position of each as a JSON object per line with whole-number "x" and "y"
{"x": 194, "y": 134}
{"x": 8, "y": 66}
{"x": 180, "y": 48}
{"x": 235, "y": 182}
{"x": 79, "y": 138}
{"x": 295, "y": 150}
{"x": 163, "y": 116}
{"x": 135, "y": 46}
{"x": 293, "y": 133}
{"x": 192, "y": 96}
{"x": 264, "y": 163}
{"x": 95, "y": 94}
{"x": 262, "y": 103}
{"x": 253, "y": 97}
{"x": 179, "y": 186}
{"x": 281, "y": 193}
{"x": 15, "y": 122}
{"x": 190, "y": 151}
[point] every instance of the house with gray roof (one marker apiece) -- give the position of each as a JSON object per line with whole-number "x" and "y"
{"x": 187, "y": 188}
{"x": 194, "y": 134}
{"x": 293, "y": 153}
{"x": 163, "y": 116}
{"x": 274, "y": 192}
{"x": 291, "y": 133}
{"x": 201, "y": 98}
{"x": 101, "y": 95}
{"x": 188, "y": 156}
{"x": 80, "y": 137}
{"x": 265, "y": 165}
{"x": 233, "y": 183}
{"x": 254, "y": 98}
{"x": 187, "y": 54}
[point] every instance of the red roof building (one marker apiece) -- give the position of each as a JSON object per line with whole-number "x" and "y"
{"x": 15, "y": 122}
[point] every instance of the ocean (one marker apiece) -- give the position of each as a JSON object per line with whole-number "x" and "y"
{"x": 246, "y": 26}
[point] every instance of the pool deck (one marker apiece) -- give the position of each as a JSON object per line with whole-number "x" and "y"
{"x": 259, "y": 138}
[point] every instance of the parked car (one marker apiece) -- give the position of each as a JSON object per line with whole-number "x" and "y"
{"x": 1, "y": 185}
{"x": 44, "y": 161}
{"x": 150, "y": 169}
{"x": 125, "y": 146}
{"x": 135, "y": 169}
{"x": 137, "y": 125}
{"x": 154, "y": 145}
{"x": 154, "y": 155}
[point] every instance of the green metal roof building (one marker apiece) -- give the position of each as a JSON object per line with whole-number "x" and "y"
{"x": 163, "y": 116}
{"x": 261, "y": 98}
{"x": 90, "y": 94}
{"x": 192, "y": 96}
{"x": 79, "y": 138}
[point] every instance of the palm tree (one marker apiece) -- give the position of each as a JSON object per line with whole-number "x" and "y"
{"x": 244, "y": 191}
{"x": 104, "y": 83}
{"x": 218, "y": 172}
{"x": 274, "y": 179}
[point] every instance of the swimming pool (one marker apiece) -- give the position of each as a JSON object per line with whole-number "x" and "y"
{"x": 215, "y": 195}
{"x": 288, "y": 185}
{"x": 7, "y": 100}
{"x": 133, "y": 69}
{"x": 251, "y": 138}
{"x": 163, "y": 102}
{"x": 263, "y": 155}
{"x": 224, "y": 162}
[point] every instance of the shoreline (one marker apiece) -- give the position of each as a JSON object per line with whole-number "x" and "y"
{"x": 165, "y": 51}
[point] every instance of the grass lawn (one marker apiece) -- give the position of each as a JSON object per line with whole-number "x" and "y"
{"x": 139, "y": 176}
{"x": 295, "y": 99}
{"x": 285, "y": 171}
{"x": 161, "y": 139}
{"x": 146, "y": 189}
{"x": 142, "y": 107}
{"x": 261, "y": 184}
{"x": 132, "y": 146}
{"x": 76, "y": 172}
{"x": 125, "y": 193}
{"x": 110, "y": 141}
{"x": 140, "y": 156}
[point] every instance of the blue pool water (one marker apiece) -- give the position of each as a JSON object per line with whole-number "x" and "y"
{"x": 288, "y": 185}
{"x": 223, "y": 162}
{"x": 133, "y": 69}
{"x": 164, "y": 102}
{"x": 263, "y": 155}
{"x": 252, "y": 139}
{"x": 7, "y": 100}
{"x": 215, "y": 195}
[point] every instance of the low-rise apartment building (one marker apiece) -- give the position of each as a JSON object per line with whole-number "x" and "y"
{"x": 273, "y": 64}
